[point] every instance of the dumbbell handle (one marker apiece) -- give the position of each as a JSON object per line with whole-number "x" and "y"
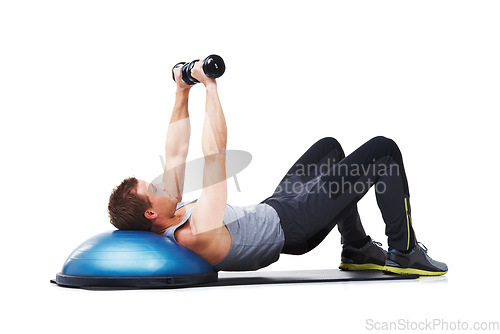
{"x": 213, "y": 67}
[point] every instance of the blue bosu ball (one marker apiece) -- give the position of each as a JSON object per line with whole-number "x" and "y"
{"x": 133, "y": 259}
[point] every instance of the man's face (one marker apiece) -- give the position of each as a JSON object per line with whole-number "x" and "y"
{"x": 160, "y": 201}
{"x": 150, "y": 190}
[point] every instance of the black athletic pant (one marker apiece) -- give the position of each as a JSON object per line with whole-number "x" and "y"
{"x": 322, "y": 188}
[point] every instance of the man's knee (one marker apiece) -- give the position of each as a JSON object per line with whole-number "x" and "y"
{"x": 330, "y": 142}
{"x": 384, "y": 142}
{"x": 386, "y": 145}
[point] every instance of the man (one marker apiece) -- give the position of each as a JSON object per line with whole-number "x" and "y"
{"x": 319, "y": 191}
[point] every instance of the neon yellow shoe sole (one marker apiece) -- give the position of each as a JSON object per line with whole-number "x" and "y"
{"x": 403, "y": 271}
{"x": 364, "y": 266}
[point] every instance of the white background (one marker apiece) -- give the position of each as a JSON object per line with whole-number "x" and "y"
{"x": 86, "y": 95}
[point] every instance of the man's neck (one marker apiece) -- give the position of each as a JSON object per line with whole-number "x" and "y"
{"x": 160, "y": 226}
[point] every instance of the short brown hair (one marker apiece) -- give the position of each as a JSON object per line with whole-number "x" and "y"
{"x": 126, "y": 208}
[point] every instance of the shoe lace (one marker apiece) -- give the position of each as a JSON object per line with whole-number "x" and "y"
{"x": 422, "y": 246}
{"x": 377, "y": 243}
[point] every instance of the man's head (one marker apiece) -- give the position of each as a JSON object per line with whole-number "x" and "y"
{"x": 132, "y": 206}
{"x": 126, "y": 208}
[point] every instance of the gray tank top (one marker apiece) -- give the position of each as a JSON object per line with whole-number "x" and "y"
{"x": 256, "y": 236}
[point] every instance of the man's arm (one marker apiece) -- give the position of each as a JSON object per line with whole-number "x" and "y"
{"x": 209, "y": 211}
{"x": 177, "y": 142}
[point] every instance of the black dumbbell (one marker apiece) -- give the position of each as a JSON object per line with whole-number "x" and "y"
{"x": 213, "y": 67}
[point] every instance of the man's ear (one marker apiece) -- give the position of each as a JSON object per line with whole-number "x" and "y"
{"x": 150, "y": 214}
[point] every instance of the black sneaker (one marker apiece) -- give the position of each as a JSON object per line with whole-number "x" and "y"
{"x": 415, "y": 262}
{"x": 370, "y": 256}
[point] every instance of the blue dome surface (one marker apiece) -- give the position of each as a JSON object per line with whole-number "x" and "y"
{"x": 133, "y": 254}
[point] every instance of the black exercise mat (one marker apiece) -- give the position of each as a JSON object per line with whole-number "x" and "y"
{"x": 301, "y": 276}
{"x": 265, "y": 277}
